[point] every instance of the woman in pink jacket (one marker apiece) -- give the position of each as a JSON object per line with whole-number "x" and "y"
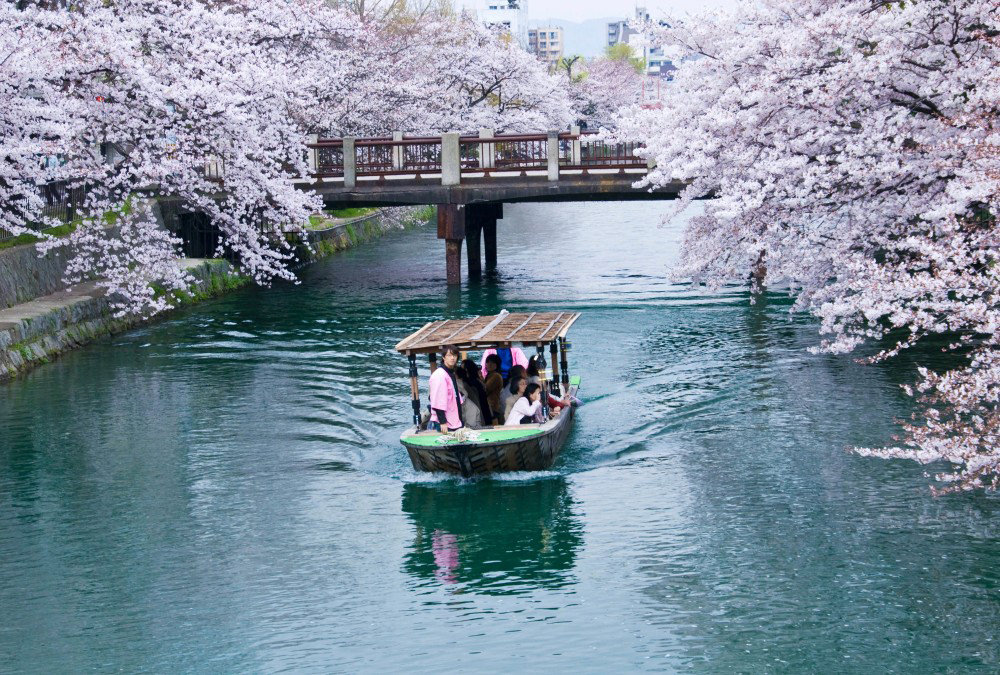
{"x": 446, "y": 402}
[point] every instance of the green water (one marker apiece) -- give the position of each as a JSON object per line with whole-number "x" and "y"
{"x": 225, "y": 491}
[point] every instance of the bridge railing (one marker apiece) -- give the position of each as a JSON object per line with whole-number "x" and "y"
{"x": 453, "y": 156}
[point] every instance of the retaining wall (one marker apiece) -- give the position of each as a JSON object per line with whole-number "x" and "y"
{"x": 37, "y": 331}
{"x": 40, "y": 318}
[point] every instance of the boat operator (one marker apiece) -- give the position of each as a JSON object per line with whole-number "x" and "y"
{"x": 446, "y": 402}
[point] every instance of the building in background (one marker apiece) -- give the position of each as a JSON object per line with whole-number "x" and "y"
{"x": 509, "y": 15}
{"x": 619, "y": 32}
{"x": 547, "y": 44}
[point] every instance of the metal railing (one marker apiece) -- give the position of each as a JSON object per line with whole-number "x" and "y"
{"x": 453, "y": 155}
{"x": 62, "y": 201}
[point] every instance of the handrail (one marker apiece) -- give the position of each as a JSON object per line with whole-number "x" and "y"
{"x": 484, "y": 154}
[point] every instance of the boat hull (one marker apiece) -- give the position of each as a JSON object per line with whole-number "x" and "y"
{"x": 536, "y": 452}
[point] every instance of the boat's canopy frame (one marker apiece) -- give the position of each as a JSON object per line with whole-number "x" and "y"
{"x": 489, "y": 332}
{"x": 493, "y": 332}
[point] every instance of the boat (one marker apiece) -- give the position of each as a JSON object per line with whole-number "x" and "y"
{"x": 524, "y": 447}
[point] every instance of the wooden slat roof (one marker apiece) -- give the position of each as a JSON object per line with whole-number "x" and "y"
{"x": 486, "y": 332}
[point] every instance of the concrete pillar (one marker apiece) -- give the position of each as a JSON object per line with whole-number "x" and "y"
{"x": 487, "y": 159}
{"x": 453, "y": 260}
{"x": 491, "y": 213}
{"x": 397, "y": 152}
{"x": 577, "y": 153}
{"x": 553, "y": 155}
{"x": 473, "y": 228}
{"x": 451, "y": 228}
{"x": 312, "y": 155}
{"x": 451, "y": 159}
{"x": 350, "y": 163}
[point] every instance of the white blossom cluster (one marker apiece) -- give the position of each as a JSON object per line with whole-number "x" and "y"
{"x": 853, "y": 146}
{"x": 175, "y": 86}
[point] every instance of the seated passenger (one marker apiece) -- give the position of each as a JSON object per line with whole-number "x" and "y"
{"x": 528, "y": 408}
{"x": 472, "y": 414}
{"x": 514, "y": 392}
{"x": 509, "y": 358}
{"x": 515, "y": 373}
{"x": 478, "y": 390}
{"x": 493, "y": 386}
{"x": 533, "y": 375}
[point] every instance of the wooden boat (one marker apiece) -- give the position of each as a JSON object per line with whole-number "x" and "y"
{"x": 525, "y": 447}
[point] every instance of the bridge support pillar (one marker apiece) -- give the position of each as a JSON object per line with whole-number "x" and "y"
{"x": 451, "y": 228}
{"x": 473, "y": 229}
{"x": 486, "y": 217}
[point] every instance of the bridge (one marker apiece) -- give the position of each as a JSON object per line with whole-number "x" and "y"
{"x": 469, "y": 178}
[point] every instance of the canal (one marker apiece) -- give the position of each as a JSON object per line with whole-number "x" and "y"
{"x": 225, "y": 491}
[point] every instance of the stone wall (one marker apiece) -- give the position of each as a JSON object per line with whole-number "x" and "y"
{"x": 40, "y": 318}
{"x": 24, "y": 275}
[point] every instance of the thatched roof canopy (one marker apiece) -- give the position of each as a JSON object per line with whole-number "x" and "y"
{"x": 487, "y": 332}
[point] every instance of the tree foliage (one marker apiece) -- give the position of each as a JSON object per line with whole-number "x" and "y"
{"x": 854, "y": 145}
{"x": 177, "y": 85}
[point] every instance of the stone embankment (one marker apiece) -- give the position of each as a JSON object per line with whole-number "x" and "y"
{"x": 40, "y": 318}
{"x": 37, "y": 331}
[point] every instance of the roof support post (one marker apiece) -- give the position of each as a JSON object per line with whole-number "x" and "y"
{"x": 564, "y": 362}
{"x": 543, "y": 375}
{"x": 577, "y": 149}
{"x": 554, "y": 357}
{"x": 397, "y": 151}
{"x": 414, "y": 390}
{"x": 350, "y": 163}
{"x": 553, "y": 155}
{"x": 451, "y": 159}
{"x": 487, "y": 151}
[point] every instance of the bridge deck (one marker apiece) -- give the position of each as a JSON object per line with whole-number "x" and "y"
{"x": 401, "y": 191}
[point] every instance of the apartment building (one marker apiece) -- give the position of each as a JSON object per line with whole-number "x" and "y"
{"x": 509, "y": 15}
{"x": 546, "y": 44}
{"x": 619, "y": 32}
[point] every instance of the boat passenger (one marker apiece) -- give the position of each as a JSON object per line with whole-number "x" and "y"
{"x": 514, "y": 392}
{"x": 472, "y": 414}
{"x": 509, "y": 357}
{"x": 493, "y": 386}
{"x": 533, "y": 375}
{"x": 528, "y": 408}
{"x": 515, "y": 372}
{"x": 446, "y": 402}
{"x": 478, "y": 390}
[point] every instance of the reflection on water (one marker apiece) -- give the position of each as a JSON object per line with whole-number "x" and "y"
{"x": 489, "y": 536}
{"x": 226, "y": 491}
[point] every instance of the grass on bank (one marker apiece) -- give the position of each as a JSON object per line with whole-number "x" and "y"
{"x": 109, "y": 218}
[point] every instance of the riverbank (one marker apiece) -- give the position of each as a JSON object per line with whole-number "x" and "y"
{"x": 41, "y": 319}
{"x": 37, "y": 331}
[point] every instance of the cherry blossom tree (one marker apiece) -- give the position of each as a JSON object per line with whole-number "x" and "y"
{"x": 852, "y": 145}
{"x": 602, "y": 86}
{"x": 176, "y": 86}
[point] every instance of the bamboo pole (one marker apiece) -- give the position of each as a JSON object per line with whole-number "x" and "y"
{"x": 564, "y": 362}
{"x": 555, "y": 369}
{"x": 543, "y": 375}
{"x": 414, "y": 390}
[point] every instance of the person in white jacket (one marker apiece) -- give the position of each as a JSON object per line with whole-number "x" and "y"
{"x": 528, "y": 408}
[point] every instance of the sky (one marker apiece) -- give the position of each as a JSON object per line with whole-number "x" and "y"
{"x": 581, "y": 10}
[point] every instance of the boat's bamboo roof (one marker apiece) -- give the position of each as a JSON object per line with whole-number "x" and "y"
{"x": 487, "y": 332}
